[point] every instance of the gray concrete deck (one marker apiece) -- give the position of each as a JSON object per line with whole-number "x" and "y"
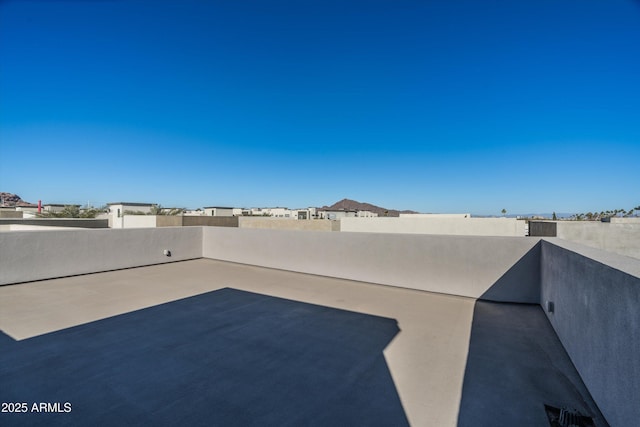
{"x": 438, "y": 380}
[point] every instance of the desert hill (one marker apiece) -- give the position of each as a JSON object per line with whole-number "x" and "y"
{"x": 10, "y": 199}
{"x": 352, "y": 205}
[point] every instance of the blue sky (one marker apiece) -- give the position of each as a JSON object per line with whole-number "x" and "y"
{"x": 435, "y": 106}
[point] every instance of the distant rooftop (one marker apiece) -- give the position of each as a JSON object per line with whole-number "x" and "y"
{"x": 130, "y": 204}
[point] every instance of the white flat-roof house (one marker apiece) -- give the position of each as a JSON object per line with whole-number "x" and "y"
{"x": 117, "y": 211}
{"x": 366, "y": 214}
{"x": 276, "y": 212}
{"x": 336, "y": 214}
{"x": 221, "y": 211}
{"x": 28, "y": 210}
{"x": 55, "y": 207}
{"x": 194, "y": 212}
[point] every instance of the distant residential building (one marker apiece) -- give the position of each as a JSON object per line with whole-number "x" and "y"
{"x": 333, "y": 214}
{"x": 366, "y": 214}
{"x": 336, "y": 214}
{"x": 54, "y": 207}
{"x": 117, "y": 211}
{"x": 28, "y": 210}
{"x": 194, "y": 212}
{"x": 276, "y": 212}
{"x": 302, "y": 214}
{"x": 279, "y": 212}
{"x": 219, "y": 211}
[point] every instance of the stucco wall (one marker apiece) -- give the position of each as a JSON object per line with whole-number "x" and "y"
{"x": 21, "y": 227}
{"x": 10, "y": 214}
{"x": 618, "y": 237}
{"x": 494, "y": 268}
{"x": 596, "y": 298}
{"x": 168, "y": 220}
{"x": 212, "y": 221}
{"x": 436, "y": 225}
{"x": 57, "y": 222}
{"x": 284, "y": 224}
{"x": 29, "y": 255}
{"x": 139, "y": 221}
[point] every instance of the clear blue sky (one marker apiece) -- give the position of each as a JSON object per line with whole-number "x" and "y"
{"x": 436, "y": 106}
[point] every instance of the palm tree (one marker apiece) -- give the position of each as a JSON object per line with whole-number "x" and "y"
{"x": 155, "y": 210}
{"x": 159, "y": 210}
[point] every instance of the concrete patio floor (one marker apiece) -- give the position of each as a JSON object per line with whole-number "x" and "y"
{"x": 444, "y": 362}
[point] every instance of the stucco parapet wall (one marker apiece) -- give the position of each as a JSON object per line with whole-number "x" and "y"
{"x": 625, "y": 264}
{"x": 58, "y": 222}
{"x": 492, "y": 268}
{"x": 436, "y": 225}
{"x": 630, "y": 220}
{"x": 36, "y": 255}
{"x": 595, "y": 297}
{"x": 215, "y": 221}
{"x": 11, "y": 214}
{"x": 621, "y": 238}
{"x": 285, "y": 223}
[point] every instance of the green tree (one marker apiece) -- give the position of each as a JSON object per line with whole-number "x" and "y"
{"x": 90, "y": 213}
{"x": 504, "y": 212}
{"x": 70, "y": 211}
{"x": 73, "y": 211}
{"x": 130, "y": 212}
{"x": 554, "y": 217}
{"x": 159, "y": 210}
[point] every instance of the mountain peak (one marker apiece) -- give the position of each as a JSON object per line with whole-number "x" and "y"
{"x": 353, "y": 205}
{"x": 10, "y": 199}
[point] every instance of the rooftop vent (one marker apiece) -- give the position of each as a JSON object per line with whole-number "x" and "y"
{"x": 567, "y": 417}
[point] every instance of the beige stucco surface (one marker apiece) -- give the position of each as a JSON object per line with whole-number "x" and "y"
{"x": 284, "y": 223}
{"x": 469, "y": 266}
{"x": 426, "y": 359}
{"x": 621, "y": 236}
{"x": 453, "y": 226}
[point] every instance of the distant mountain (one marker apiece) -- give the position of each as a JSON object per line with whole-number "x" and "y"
{"x": 10, "y": 199}
{"x": 352, "y": 205}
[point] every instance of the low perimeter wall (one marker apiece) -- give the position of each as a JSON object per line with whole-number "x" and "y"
{"x": 596, "y": 314}
{"x": 58, "y": 222}
{"x": 617, "y": 236}
{"x": 595, "y": 294}
{"x": 287, "y": 224}
{"x": 150, "y": 221}
{"x": 494, "y": 268}
{"x": 37, "y": 255}
{"x": 437, "y": 225}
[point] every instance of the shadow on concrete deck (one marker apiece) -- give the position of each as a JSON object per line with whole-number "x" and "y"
{"x": 226, "y": 357}
{"x": 516, "y": 364}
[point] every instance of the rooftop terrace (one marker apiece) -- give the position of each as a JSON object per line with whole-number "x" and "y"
{"x": 224, "y": 331}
